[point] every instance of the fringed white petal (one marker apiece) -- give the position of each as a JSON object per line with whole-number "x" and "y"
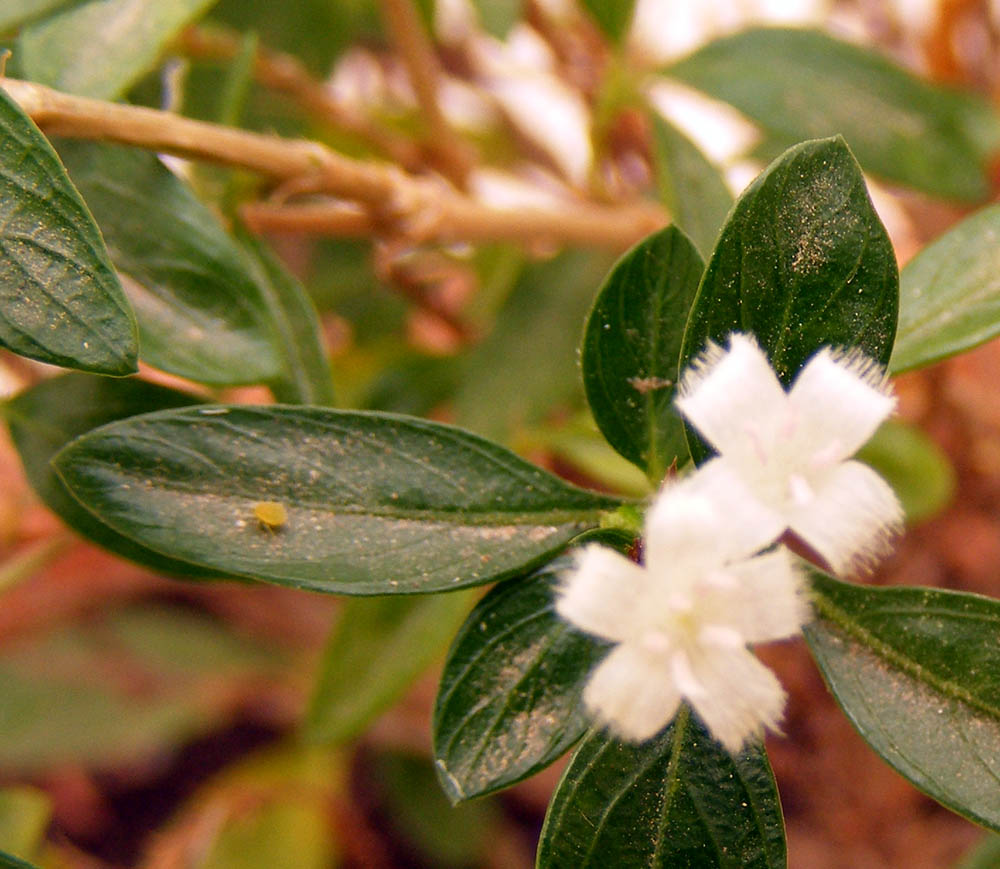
{"x": 741, "y": 696}
{"x": 706, "y": 519}
{"x": 605, "y": 594}
{"x": 722, "y": 391}
{"x": 852, "y": 519}
{"x": 839, "y": 399}
{"x": 632, "y": 692}
{"x": 768, "y": 600}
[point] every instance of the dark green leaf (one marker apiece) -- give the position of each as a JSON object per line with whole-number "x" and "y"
{"x": 377, "y": 648}
{"x": 917, "y": 671}
{"x": 510, "y": 697}
{"x": 376, "y": 503}
{"x": 918, "y": 470}
{"x": 307, "y": 378}
{"x": 9, "y": 861}
{"x": 803, "y": 262}
{"x": 679, "y": 799}
{"x": 801, "y": 84}
{"x": 613, "y": 16}
{"x": 201, "y": 313}
{"x": 631, "y": 350}
{"x": 690, "y": 187}
{"x": 527, "y": 365}
{"x": 949, "y": 295}
{"x": 60, "y": 300}
{"x": 100, "y": 48}
{"x": 46, "y": 417}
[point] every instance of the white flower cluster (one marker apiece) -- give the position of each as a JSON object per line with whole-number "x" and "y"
{"x": 683, "y": 621}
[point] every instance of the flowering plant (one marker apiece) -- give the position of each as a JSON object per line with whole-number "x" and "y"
{"x": 735, "y": 371}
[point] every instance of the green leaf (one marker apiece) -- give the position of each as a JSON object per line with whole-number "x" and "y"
{"x": 690, "y": 187}
{"x": 510, "y": 697}
{"x": 201, "y": 312}
{"x": 802, "y": 84}
{"x": 307, "y": 378}
{"x": 613, "y": 16}
{"x": 679, "y": 799}
{"x": 60, "y": 300}
{"x": 985, "y": 854}
{"x": 918, "y": 470}
{"x": 378, "y": 647}
{"x": 9, "y": 861}
{"x": 917, "y": 671}
{"x": 803, "y": 262}
{"x": 631, "y": 350}
{"x": 498, "y": 16}
{"x": 376, "y": 503}
{"x": 16, "y": 12}
{"x": 45, "y": 418}
{"x": 101, "y": 48}
{"x": 949, "y": 296}
{"x": 527, "y": 365}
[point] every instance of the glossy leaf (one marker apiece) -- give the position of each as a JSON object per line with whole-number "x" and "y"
{"x": 510, "y": 697}
{"x": 45, "y": 418}
{"x": 949, "y": 295}
{"x": 678, "y": 799}
{"x": 306, "y": 377}
{"x": 631, "y": 350}
{"x": 201, "y": 312}
{"x": 101, "y": 47}
{"x": 689, "y": 186}
{"x": 802, "y": 84}
{"x": 378, "y": 647}
{"x": 613, "y": 16}
{"x": 803, "y": 262}
{"x": 60, "y": 300}
{"x": 917, "y": 671}
{"x": 918, "y": 470}
{"x": 376, "y": 503}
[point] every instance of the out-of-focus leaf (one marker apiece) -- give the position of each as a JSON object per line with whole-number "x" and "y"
{"x": 102, "y": 47}
{"x": 949, "y": 294}
{"x": 24, "y": 817}
{"x": 679, "y": 799}
{"x": 918, "y": 470}
{"x": 376, "y": 503}
{"x": 45, "y": 418}
{"x": 803, "y": 262}
{"x": 306, "y": 376}
{"x": 984, "y": 855}
{"x": 16, "y": 12}
{"x": 413, "y": 384}
{"x": 377, "y": 648}
{"x": 9, "y": 861}
{"x": 802, "y": 84}
{"x": 60, "y": 300}
{"x": 613, "y": 16}
{"x": 527, "y": 365}
{"x": 201, "y": 312}
{"x": 632, "y": 346}
{"x": 917, "y": 671}
{"x": 510, "y": 697}
{"x": 61, "y": 705}
{"x": 691, "y": 188}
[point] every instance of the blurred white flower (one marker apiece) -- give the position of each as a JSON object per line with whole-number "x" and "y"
{"x": 683, "y": 620}
{"x": 792, "y": 450}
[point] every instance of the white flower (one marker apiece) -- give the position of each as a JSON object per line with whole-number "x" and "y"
{"x": 682, "y": 621}
{"x": 791, "y": 449}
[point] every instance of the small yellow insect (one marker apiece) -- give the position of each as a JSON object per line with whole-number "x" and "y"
{"x": 270, "y": 514}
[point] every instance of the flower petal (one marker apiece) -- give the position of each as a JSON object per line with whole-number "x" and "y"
{"x": 852, "y": 519}
{"x": 839, "y": 399}
{"x": 767, "y": 600}
{"x": 722, "y": 391}
{"x": 741, "y": 696}
{"x": 705, "y": 520}
{"x": 632, "y": 692}
{"x": 605, "y": 594}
